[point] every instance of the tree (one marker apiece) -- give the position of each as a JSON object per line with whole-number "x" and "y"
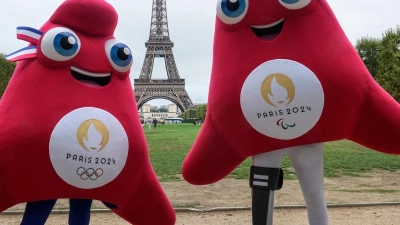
{"x": 201, "y": 111}
{"x": 163, "y": 110}
{"x": 191, "y": 113}
{"x": 188, "y": 115}
{"x": 367, "y": 49}
{"x": 389, "y": 62}
{"x": 6, "y": 70}
{"x": 382, "y": 58}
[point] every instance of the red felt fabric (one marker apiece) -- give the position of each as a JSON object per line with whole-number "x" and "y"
{"x": 78, "y": 15}
{"x": 355, "y": 107}
{"x": 42, "y": 91}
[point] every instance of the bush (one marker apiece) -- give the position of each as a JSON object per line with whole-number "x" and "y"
{"x": 6, "y": 71}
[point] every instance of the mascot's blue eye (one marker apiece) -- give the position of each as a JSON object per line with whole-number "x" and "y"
{"x": 119, "y": 55}
{"x": 232, "y": 11}
{"x": 65, "y": 44}
{"x": 295, "y": 4}
{"x": 233, "y": 8}
{"x": 60, "y": 44}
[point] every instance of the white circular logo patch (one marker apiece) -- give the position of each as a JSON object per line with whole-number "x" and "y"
{"x": 282, "y": 99}
{"x": 88, "y": 148}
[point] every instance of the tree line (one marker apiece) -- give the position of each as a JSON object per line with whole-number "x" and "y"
{"x": 196, "y": 114}
{"x": 382, "y": 58}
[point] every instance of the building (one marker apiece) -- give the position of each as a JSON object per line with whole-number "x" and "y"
{"x": 172, "y": 108}
{"x": 145, "y": 108}
{"x": 146, "y": 112}
{"x": 153, "y": 108}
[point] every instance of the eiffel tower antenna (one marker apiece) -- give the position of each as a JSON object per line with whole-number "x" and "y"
{"x": 160, "y": 45}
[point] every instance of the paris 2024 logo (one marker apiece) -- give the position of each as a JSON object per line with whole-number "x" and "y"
{"x": 88, "y": 148}
{"x": 282, "y": 99}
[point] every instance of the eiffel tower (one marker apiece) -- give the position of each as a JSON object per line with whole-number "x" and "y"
{"x": 160, "y": 45}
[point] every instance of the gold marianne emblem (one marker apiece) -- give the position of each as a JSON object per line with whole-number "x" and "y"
{"x": 278, "y": 89}
{"x": 92, "y": 135}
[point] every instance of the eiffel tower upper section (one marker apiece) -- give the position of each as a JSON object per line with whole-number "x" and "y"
{"x": 160, "y": 45}
{"x": 159, "y": 32}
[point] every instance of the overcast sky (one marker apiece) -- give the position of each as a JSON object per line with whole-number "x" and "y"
{"x": 191, "y": 26}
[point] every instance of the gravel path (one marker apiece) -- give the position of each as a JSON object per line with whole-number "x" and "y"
{"x": 378, "y": 186}
{"x": 382, "y": 215}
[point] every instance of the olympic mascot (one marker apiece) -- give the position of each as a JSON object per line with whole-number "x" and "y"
{"x": 69, "y": 126}
{"x": 285, "y": 78}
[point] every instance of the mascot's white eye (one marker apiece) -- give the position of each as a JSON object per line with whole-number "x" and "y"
{"x": 119, "y": 55}
{"x": 60, "y": 44}
{"x": 232, "y": 11}
{"x": 294, "y": 4}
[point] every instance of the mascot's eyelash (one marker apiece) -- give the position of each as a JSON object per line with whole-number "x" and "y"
{"x": 26, "y": 34}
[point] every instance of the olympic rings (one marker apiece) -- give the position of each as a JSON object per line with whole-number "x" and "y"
{"x": 89, "y": 173}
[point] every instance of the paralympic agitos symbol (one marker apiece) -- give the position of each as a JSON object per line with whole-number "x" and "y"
{"x": 284, "y": 126}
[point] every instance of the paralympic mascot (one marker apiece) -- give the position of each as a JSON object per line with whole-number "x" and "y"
{"x": 287, "y": 79}
{"x": 69, "y": 126}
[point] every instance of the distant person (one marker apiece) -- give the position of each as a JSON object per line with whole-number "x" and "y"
{"x": 194, "y": 122}
{"x": 149, "y": 124}
{"x": 155, "y": 123}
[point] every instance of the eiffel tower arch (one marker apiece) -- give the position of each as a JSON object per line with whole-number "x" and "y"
{"x": 160, "y": 45}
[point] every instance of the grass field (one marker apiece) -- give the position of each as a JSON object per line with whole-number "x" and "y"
{"x": 169, "y": 144}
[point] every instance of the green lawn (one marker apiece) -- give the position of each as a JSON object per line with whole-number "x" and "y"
{"x": 169, "y": 144}
{"x": 168, "y": 147}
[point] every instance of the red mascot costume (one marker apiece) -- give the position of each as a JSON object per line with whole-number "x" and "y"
{"x": 69, "y": 123}
{"x": 285, "y": 78}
